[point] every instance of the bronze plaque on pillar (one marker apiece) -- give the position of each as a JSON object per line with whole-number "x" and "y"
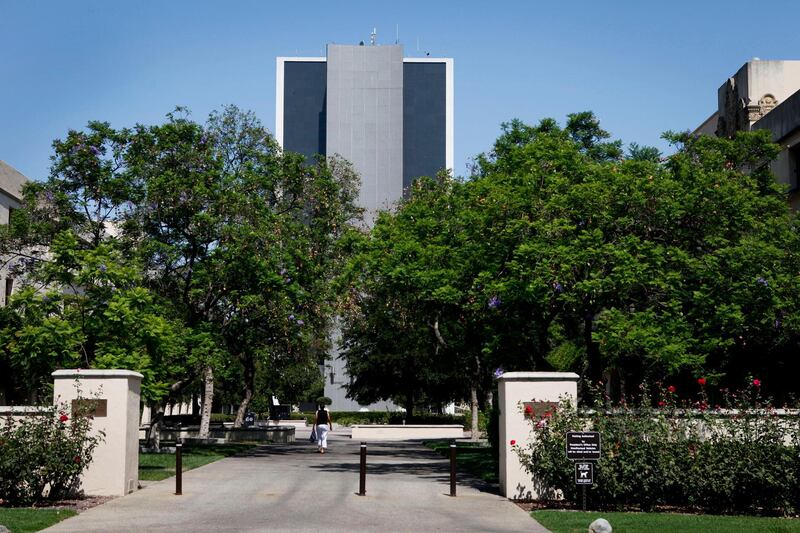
{"x": 537, "y": 410}
{"x": 87, "y": 407}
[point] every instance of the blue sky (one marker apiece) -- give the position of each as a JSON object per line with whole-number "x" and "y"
{"x": 642, "y": 67}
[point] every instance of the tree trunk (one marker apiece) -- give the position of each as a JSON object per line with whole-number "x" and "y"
{"x": 409, "y": 405}
{"x": 156, "y": 419}
{"x": 594, "y": 369}
{"x": 473, "y": 400}
{"x": 249, "y": 387}
{"x": 248, "y": 395}
{"x": 208, "y": 399}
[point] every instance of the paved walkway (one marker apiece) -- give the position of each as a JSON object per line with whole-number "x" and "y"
{"x": 293, "y": 488}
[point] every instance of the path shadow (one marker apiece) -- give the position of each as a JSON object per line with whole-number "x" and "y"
{"x": 384, "y": 458}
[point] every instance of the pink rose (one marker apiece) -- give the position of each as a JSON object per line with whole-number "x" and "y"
{"x": 513, "y": 442}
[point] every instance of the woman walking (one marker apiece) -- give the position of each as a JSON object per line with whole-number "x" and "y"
{"x": 322, "y": 425}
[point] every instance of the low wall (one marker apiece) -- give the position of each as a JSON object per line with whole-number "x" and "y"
{"x": 272, "y": 434}
{"x": 287, "y": 423}
{"x": 406, "y": 432}
{"x": 18, "y": 412}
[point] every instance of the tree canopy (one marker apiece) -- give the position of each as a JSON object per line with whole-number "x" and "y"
{"x": 221, "y": 241}
{"x": 560, "y": 252}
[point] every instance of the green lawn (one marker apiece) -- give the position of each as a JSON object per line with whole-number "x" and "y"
{"x": 158, "y": 466}
{"x": 473, "y": 457}
{"x": 27, "y": 520}
{"x": 578, "y": 522}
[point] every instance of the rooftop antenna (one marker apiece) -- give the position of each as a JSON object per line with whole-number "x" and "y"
{"x": 397, "y": 35}
{"x": 373, "y": 36}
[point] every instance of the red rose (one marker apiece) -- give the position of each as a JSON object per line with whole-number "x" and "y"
{"x": 77, "y": 459}
{"x": 756, "y": 382}
{"x": 548, "y": 414}
{"x": 671, "y": 389}
{"x": 661, "y": 404}
{"x": 63, "y": 418}
{"x": 528, "y": 409}
{"x": 513, "y": 442}
{"x": 701, "y": 381}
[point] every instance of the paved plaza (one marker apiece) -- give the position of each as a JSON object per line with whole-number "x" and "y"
{"x": 293, "y": 488}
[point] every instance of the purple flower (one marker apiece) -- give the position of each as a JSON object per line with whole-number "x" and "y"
{"x": 288, "y": 280}
{"x": 102, "y": 268}
{"x": 300, "y": 322}
{"x": 494, "y": 302}
{"x": 762, "y": 281}
{"x": 558, "y": 288}
{"x": 498, "y": 372}
{"x": 291, "y": 317}
{"x": 777, "y": 323}
{"x": 95, "y": 150}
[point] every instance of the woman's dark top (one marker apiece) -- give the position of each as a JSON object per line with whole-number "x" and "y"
{"x": 322, "y": 416}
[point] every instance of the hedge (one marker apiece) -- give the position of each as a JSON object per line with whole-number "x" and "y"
{"x": 742, "y": 458}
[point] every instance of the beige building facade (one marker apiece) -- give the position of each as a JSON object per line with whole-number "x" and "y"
{"x": 763, "y": 95}
{"x": 11, "y": 182}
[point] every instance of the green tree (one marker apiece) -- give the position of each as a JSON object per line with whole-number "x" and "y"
{"x": 560, "y": 253}
{"x": 234, "y": 239}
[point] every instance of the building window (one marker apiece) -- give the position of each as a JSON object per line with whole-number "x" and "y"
{"x": 794, "y": 165}
{"x": 9, "y": 288}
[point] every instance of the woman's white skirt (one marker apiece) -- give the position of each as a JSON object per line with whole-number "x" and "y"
{"x": 322, "y": 436}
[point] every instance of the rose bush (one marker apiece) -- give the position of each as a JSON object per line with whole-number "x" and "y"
{"x": 741, "y": 456}
{"x": 43, "y": 455}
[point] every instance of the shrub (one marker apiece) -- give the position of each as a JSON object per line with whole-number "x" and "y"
{"x": 744, "y": 458}
{"x": 42, "y": 456}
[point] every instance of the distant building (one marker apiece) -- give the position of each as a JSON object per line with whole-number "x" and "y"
{"x": 764, "y": 95}
{"x": 390, "y": 116}
{"x": 11, "y": 182}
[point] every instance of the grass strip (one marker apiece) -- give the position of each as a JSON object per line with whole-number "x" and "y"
{"x": 158, "y": 466}
{"x": 578, "y": 522}
{"x": 26, "y": 520}
{"x": 473, "y": 457}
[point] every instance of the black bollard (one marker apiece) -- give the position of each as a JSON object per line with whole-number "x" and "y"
{"x": 453, "y": 469}
{"x": 362, "y": 481}
{"x": 178, "y": 469}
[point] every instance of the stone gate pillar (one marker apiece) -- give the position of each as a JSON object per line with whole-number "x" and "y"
{"x": 114, "y": 470}
{"x": 541, "y": 391}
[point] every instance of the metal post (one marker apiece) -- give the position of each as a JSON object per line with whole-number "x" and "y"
{"x": 583, "y": 489}
{"x": 178, "y": 468}
{"x": 453, "y": 469}
{"x": 362, "y": 482}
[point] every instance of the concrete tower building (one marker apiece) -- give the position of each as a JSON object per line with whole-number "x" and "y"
{"x": 390, "y": 116}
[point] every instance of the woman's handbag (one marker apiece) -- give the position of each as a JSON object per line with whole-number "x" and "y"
{"x": 313, "y": 436}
